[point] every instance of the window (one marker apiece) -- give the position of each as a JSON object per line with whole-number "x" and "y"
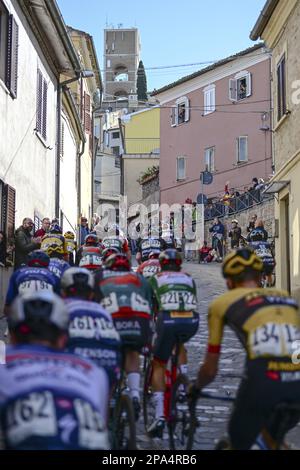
{"x": 240, "y": 87}
{"x": 117, "y": 161}
{"x": 115, "y": 135}
{"x": 9, "y": 45}
{"x": 242, "y": 149}
{"x": 116, "y": 151}
{"x": 41, "y": 112}
{"x": 8, "y": 205}
{"x": 210, "y": 159}
{"x": 181, "y": 111}
{"x": 209, "y": 99}
{"x": 181, "y": 168}
{"x": 281, "y": 88}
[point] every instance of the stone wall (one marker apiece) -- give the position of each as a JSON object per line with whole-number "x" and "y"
{"x": 150, "y": 187}
{"x": 264, "y": 211}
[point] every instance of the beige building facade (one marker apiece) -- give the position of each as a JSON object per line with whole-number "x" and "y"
{"x": 279, "y": 26}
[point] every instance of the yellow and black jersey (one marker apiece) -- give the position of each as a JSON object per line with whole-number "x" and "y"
{"x": 267, "y": 321}
{"x": 54, "y": 239}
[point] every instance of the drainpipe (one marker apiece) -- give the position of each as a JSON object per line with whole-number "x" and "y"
{"x": 78, "y": 176}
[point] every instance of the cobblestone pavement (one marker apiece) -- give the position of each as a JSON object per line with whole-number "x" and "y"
{"x": 212, "y": 414}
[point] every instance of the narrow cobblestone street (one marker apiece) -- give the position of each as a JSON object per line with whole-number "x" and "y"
{"x": 212, "y": 414}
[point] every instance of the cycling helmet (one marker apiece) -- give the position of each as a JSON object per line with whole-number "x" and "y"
{"x": 91, "y": 240}
{"x": 170, "y": 259}
{"x": 239, "y": 261}
{"x": 69, "y": 236}
{"x": 90, "y": 262}
{"x": 256, "y": 235}
{"x": 118, "y": 262}
{"x": 77, "y": 281}
{"x": 154, "y": 254}
{"x": 38, "y": 259}
{"x": 107, "y": 252}
{"x": 55, "y": 228}
{"x": 34, "y": 313}
{"x": 55, "y": 251}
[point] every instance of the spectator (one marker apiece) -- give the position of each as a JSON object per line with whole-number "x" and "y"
{"x": 252, "y": 223}
{"x": 261, "y": 184}
{"x": 259, "y": 225}
{"x": 204, "y": 252}
{"x": 218, "y": 234}
{"x": 254, "y": 184}
{"x": 25, "y": 243}
{"x": 84, "y": 230}
{"x": 235, "y": 234}
{"x": 44, "y": 229}
{"x": 3, "y": 252}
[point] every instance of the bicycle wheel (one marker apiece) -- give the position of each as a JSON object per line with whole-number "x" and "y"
{"x": 182, "y": 421}
{"x": 148, "y": 403}
{"x": 124, "y": 432}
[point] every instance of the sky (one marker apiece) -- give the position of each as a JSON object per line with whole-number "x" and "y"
{"x": 173, "y": 32}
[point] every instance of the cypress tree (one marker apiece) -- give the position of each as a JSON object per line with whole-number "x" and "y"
{"x": 141, "y": 83}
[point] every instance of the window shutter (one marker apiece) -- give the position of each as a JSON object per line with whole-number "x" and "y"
{"x": 12, "y": 56}
{"x": 87, "y": 115}
{"x": 44, "y": 106}
{"x": 39, "y": 99}
{"x": 9, "y": 205}
{"x": 187, "y": 110}
{"x": 173, "y": 116}
{"x": 62, "y": 139}
{"x": 233, "y": 90}
{"x": 249, "y": 84}
{"x": 213, "y": 99}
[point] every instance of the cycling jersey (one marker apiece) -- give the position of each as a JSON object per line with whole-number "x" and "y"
{"x": 267, "y": 322}
{"x": 149, "y": 268}
{"x": 263, "y": 250}
{"x": 53, "y": 239}
{"x": 176, "y": 303}
{"x": 58, "y": 266}
{"x": 146, "y": 245}
{"x": 87, "y": 250}
{"x": 71, "y": 246}
{"x": 128, "y": 298}
{"x": 92, "y": 335}
{"x": 174, "y": 291}
{"x": 30, "y": 280}
{"x": 114, "y": 242}
{"x": 50, "y": 400}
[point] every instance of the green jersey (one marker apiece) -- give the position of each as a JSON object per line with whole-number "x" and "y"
{"x": 174, "y": 291}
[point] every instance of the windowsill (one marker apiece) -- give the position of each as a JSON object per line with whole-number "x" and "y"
{"x": 210, "y": 112}
{"x": 180, "y": 180}
{"x": 241, "y": 163}
{"x": 41, "y": 138}
{"x": 282, "y": 120}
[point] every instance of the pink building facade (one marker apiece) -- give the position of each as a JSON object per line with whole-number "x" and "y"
{"x": 216, "y": 119}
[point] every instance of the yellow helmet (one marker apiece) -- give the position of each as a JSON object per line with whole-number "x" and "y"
{"x": 69, "y": 236}
{"x": 239, "y": 260}
{"x": 55, "y": 250}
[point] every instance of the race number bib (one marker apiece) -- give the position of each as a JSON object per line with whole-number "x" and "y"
{"x": 34, "y": 286}
{"x": 33, "y": 415}
{"x": 110, "y": 303}
{"x": 139, "y": 304}
{"x": 273, "y": 339}
{"x": 91, "y": 427}
{"x": 149, "y": 271}
{"x": 175, "y": 300}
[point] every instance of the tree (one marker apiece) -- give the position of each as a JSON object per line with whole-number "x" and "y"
{"x": 141, "y": 83}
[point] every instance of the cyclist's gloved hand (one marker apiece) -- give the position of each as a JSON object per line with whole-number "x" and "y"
{"x": 193, "y": 391}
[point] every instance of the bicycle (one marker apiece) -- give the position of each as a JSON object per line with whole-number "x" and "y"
{"x": 181, "y": 420}
{"x": 122, "y": 420}
{"x": 283, "y": 414}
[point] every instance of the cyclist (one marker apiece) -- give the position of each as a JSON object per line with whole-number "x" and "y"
{"x": 91, "y": 330}
{"x": 128, "y": 298}
{"x": 49, "y": 400}
{"x": 117, "y": 241}
{"x": 57, "y": 264}
{"x": 107, "y": 252}
{"x": 71, "y": 246}
{"x": 267, "y": 322}
{"x": 177, "y": 321}
{"x": 148, "y": 244}
{"x": 54, "y": 237}
{"x": 151, "y": 266}
{"x": 31, "y": 278}
{"x": 92, "y": 262}
{"x": 263, "y": 249}
{"x": 91, "y": 246}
